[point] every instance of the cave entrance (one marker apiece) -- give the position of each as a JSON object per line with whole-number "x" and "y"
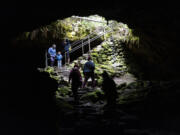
{"x": 105, "y": 40}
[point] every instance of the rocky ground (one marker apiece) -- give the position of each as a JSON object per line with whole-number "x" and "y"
{"x": 141, "y": 108}
{"x": 91, "y": 116}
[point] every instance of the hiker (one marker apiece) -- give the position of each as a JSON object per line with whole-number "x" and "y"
{"x": 109, "y": 88}
{"x": 76, "y": 78}
{"x": 67, "y": 46}
{"x": 52, "y": 54}
{"x": 59, "y": 60}
{"x": 88, "y": 71}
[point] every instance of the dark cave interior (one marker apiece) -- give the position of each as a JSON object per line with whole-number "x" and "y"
{"x": 27, "y": 94}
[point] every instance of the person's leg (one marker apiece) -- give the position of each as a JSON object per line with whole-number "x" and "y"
{"x": 52, "y": 61}
{"x": 68, "y": 60}
{"x": 68, "y": 57}
{"x": 92, "y": 78}
{"x": 60, "y": 62}
{"x": 74, "y": 90}
{"x": 85, "y": 79}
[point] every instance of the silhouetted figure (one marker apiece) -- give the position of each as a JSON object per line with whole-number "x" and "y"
{"x": 76, "y": 78}
{"x": 52, "y": 54}
{"x": 67, "y": 46}
{"x": 88, "y": 71}
{"x": 109, "y": 88}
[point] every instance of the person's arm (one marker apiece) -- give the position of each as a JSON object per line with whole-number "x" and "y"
{"x": 70, "y": 76}
{"x": 49, "y": 51}
{"x": 92, "y": 65}
{"x": 56, "y": 56}
{"x": 80, "y": 77}
{"x": 54, "y": 53}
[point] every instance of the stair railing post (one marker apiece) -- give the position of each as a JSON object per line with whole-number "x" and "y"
{"x": 104, "y": 33}
{"x": 89, "y": 44}
{"x": 65, "y": 59}
{"x": 46, "y": 60}
{"x": 82, "y": 48}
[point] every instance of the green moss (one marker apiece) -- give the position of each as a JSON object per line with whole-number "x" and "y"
{"x": 94, "y": 54}
{"x": 63, "y": 91}
{"x": 63, "y": 105}
{"x": 105, "y": 45}
{"x": 49, "y": 70}
{"x": 57, "y": 78}
{"x": 93, "y": 96}
{"x": 99, "y": 81}
{"x": 98, "y": 71}
{"x": 122, "y": 86}
{"x": 131, "y": 97}
{"x": 104, "y": 66}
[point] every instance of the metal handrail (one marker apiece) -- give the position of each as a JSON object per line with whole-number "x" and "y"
{"x": 85, "y": 18}
{"x": 87, "y": 42}
{"x": 79, "y": 41}
{"x": 76, "y": 42}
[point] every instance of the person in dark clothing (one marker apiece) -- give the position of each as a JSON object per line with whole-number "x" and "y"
{"x": 67, "y": 46}
{"x": 76, "y": 78}
{"x": 109, "y": 88}
{"x": 88, "y": 71}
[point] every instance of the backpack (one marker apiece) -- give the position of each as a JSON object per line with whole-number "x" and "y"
{"x": 75, "y": 75}
{"x": 90, "y": 66}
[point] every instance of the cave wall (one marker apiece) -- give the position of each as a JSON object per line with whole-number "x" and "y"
{"x": 22, "y": 84}
{"x": 158, "y": 52}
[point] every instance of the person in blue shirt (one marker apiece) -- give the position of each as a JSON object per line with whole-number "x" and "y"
{"x": 67, "y": 46}
{"x": 59, "y": 60}
{"x": 88, "y": 71}
{"x": 52, "y": 54}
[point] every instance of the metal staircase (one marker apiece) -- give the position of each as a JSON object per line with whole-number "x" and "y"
{"x": 83, "y": 42}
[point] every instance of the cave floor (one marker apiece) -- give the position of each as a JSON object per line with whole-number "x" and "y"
{"x": 96, "y": 118}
